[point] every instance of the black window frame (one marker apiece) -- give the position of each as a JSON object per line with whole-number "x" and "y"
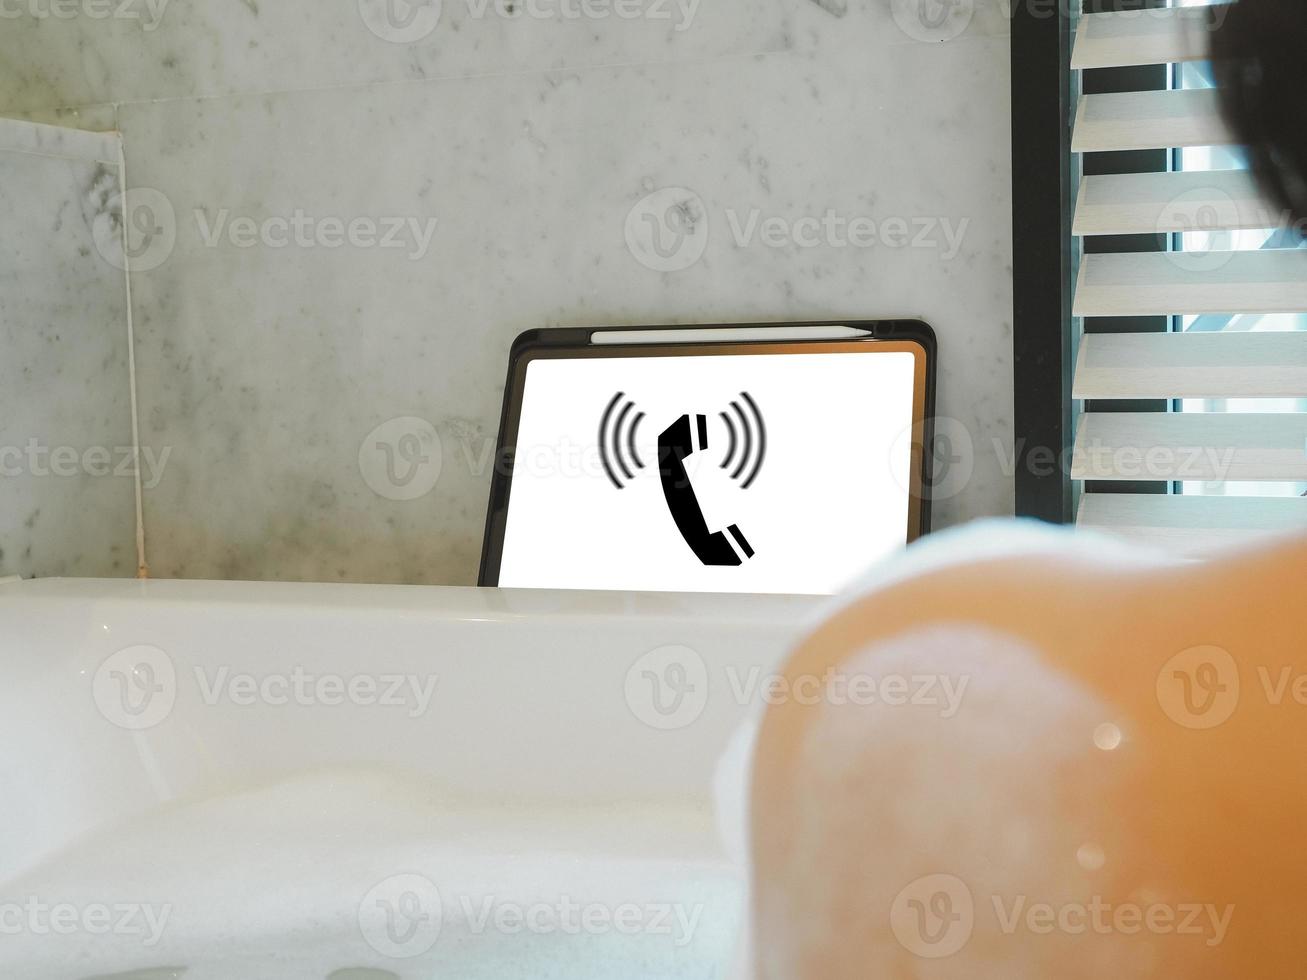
{"x": 1045, "y": 176}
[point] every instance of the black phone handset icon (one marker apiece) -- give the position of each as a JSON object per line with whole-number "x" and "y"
{"x": 674, "y": 445}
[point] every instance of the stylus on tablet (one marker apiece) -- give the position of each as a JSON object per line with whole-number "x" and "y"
{"x": 709, "y": 335}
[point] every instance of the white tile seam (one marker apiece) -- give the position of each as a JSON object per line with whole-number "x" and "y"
{"x": 476, "y": 76}
{"x": 142, "y": 568}
{"x": 70, "y": 158}
{"x": 394, "y": 82}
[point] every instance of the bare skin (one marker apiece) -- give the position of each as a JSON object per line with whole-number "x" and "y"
{"x": 1086, "y": 770}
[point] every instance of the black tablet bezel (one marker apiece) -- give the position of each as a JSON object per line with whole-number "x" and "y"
{"x": 577, "y": 342}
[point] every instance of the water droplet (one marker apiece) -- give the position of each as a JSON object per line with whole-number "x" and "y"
{"x": 1107, "y": 736}
{"x": 1091, "y": 857}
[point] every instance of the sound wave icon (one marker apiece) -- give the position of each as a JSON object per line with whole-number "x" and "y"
{"x": 746, "y": 440}
{"x": 618, "y": 432}
{"x": 751, "y": 440}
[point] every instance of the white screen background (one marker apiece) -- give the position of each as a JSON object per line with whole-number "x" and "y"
{"x": 831, "y": 498}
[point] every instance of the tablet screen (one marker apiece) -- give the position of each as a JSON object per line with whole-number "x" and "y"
{"x": 767, "y": 472}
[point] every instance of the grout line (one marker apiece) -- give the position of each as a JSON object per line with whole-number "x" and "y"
{"x": 142, "y": 568}
{"x": 500, "y": 73}
{"x": 60, "y": 156}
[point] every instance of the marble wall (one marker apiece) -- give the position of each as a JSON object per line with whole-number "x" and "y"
{"x": 66, "y": 461}
{"x": 343, "y": 212}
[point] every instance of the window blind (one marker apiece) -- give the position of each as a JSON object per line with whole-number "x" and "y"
{"x": 1209, "y": 447}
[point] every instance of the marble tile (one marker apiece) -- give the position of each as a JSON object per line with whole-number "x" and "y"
{"x": 65, "y": 421}
{"x": 101, "y": 118}
{"x": 165, "y": 49}
{"x": 267, "y": 366}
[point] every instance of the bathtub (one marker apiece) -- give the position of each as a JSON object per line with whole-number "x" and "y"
{"x": 232, "y": 780}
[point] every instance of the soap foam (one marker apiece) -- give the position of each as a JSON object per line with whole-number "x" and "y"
{"x": 268, "y": 882}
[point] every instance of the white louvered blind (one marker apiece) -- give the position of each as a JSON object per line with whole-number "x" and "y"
{"x": 1246, "y": 349}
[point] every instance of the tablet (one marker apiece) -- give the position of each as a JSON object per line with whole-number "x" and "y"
{"x": 763, "y": 458}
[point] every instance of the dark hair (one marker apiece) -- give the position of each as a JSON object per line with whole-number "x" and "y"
{"x": 1257, "y": 55}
